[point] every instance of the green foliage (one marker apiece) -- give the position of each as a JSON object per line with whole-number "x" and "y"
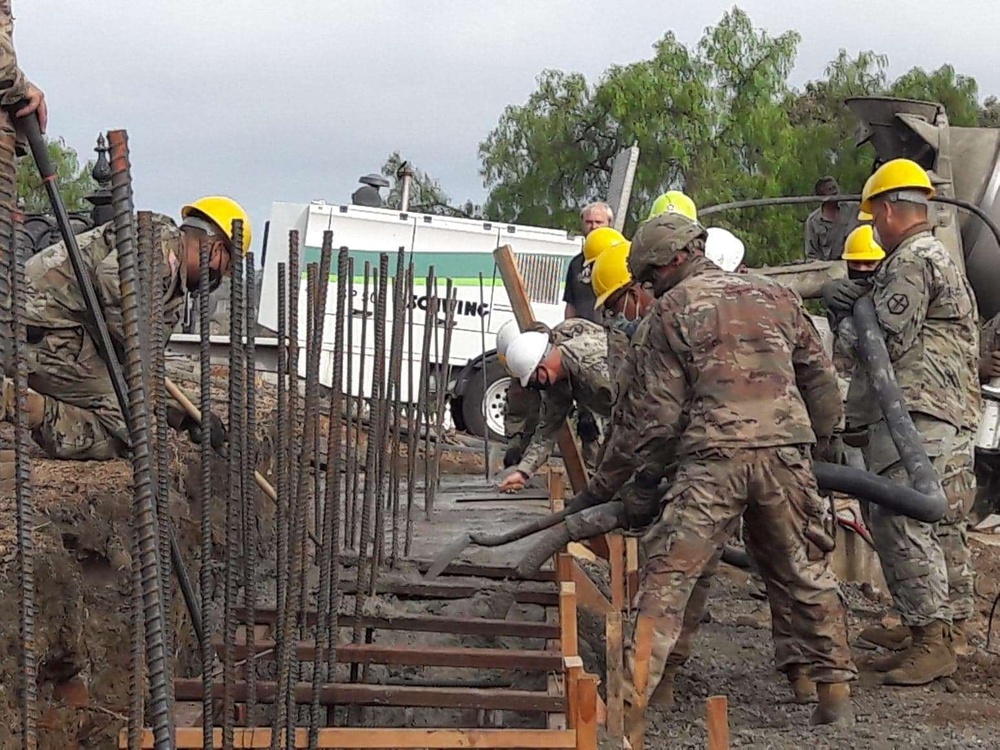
{"x": 718, "y": 120}
{"x": 75, "y": 182}
{"x": 426, "y": 194}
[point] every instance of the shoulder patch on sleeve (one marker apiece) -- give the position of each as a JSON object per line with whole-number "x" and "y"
{"x": 898, "y": 303}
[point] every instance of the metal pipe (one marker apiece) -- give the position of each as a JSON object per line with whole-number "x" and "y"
{"x": 412, "y": 416}
{"x": 248, "y": 501}
{"x": 145, "y": 508}
{"x": 354, "y": 472}
{"x": 348, "y": 521}
{"x": 234, "y": 495}
{"x": 28, "y": 677}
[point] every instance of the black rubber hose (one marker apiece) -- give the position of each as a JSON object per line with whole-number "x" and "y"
{"x": 594, "y": 521}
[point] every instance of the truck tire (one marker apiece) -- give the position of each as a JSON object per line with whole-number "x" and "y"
{"x": 485, "y": 405}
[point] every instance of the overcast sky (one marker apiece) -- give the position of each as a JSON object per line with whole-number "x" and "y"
{"x": 295, "y": 100}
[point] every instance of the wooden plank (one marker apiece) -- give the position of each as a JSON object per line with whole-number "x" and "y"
{"x": 568, "y": 637}
{"x": 430, "y": 624}
{"x": 450, "y": 590}
{"x": 717, "y": 709}
{"x": 586, "y": 713}
{"x": 588, "y": 596}
{"x": 189, "y": 738}
{"x": 616, "y": 547}
{"x": 521, "y": 305}
{"x": 425, "y": 656}
{"x": 631, "y": 569}
{"x": 356, "y": 694}
{"x": 615, "y": 674}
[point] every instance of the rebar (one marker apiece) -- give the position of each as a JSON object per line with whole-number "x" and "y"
{"x": 354, "y": 472}
{"x": 234, "y": 496}
{"x": 281, "y": 463}
{"x": 159, "y": 394}
{"x": 8, "y": 244}
{"x": 399, "y": 287}
{"x": 380, "y": 423}
{"x": 412, "y": 416}
{"x": 329, "y": 582}
{"x": 430, "y": 326}
{"x": 28, "y": 678}
{"x": 442, "y": 383}
{"x": 323, "y": 284}
{"x": 145, "y": 508}
{"x": 205, "y": 457}
{"x": 248, "y": 501}
{"x": 485, "y": 405}
{"x": 365, "y": 558}
{"x": 349, "y": 446}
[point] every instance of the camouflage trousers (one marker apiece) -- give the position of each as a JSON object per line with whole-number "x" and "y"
{"x": 524, "y": 408}
{"x": 774, "y": 490}
{"x": 927, "y": 566}
{"x": 82, "y": 420}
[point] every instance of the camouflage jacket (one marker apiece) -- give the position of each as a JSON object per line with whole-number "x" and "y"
{"x": 824, "y": 239}
{"x": 584, "y": 349}
{"x": 927, "y": 311}
{"x": 721, "y": 361}
{"x": 13, "y": 84}
{"x": 989, "y": 336}
{"x": 54, "y": 299}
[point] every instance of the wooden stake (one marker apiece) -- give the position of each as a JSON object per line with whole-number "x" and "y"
{"x": 616, "y": 674}
{"x": 567, "y": 619}
{"x": 586, "y": 713}
{"x": 717, "y": 719}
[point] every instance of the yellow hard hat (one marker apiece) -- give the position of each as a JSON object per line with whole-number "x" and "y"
{"x": 610, "y": 272}
{"x": 598, "y": 241}
{"x": 862, "y": 214}
{"x": 676, "y": 202}
{"x": 860, "y": 245}
{"x": 222, "y": 211}
{"x": 898, "y": 174}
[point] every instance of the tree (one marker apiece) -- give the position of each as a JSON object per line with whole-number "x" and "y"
{"x": 718, "y": 120}
{"x": 426, "y": 194}
{"x": 75, "y": 181}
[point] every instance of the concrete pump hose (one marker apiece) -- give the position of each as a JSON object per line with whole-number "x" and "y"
{"x": 875, "y": 358}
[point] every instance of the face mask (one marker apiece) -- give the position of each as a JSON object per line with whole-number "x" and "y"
{"x": 856, "y": 274}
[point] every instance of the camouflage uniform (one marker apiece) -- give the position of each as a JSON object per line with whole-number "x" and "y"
{"x": 524, "y": 407}
{"x": 585, "y": 358}
{"x": 927, "y": 312}
{"x": 726, "y": 374}
{"x": 82, "y": 419}
{"x": 988, "y": 464}
{"x": 824, "y": 239}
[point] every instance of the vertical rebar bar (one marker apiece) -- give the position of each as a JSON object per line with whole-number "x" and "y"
{"x": 323, "y": 285}
{"x": 205, "y": 577}
{"x": 444, "y": 370}
{"x": 159, "y": 394}
{"x": 281, "y": 471}
{"x": 430, "y": 331}
{"x": 8, "y": 244}
{"x": 412, "y": 414}
{"x": 153, "y": 609}
{"x": 249, "y": 488}
{"x": 395, "y": 378}
{"x": 234, "y": 496}
{"x": 380, "y": 423}
{"x": 354, "y": 471}
{"x": 349, "y": 409}
{"x": 485, "y": 405}
{"x": 366, "y": 559}
{"x": 28, "y": 679}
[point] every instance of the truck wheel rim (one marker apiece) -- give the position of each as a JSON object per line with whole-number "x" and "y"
{"x": 495, "y": 404}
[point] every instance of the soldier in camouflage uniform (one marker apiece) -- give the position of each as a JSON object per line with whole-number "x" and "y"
{"x": 581, "y": 378}
{"x": 828, "y": 226}
{"x": 726, "y": 376}
{"x": 71, "y": 405}
{"x": 927, "y": 312}
{"x": 14, "y": 86}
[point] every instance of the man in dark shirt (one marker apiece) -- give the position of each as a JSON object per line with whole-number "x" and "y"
{"x": 578, "y": 294}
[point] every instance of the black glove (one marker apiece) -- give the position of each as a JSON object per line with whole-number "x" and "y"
{"x": 587, "y": 429}
{"x": 219, "y": 438}
{"x": 840, "y": 295}
{"x": 643, "y": 500}
{"x": 512, "y": 456}
{"x": 583, "y": 500}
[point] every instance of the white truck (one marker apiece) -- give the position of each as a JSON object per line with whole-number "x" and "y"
{"x": 459, "y": 249}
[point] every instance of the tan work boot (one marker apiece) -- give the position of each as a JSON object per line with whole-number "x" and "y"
{"x": 960, "y": 638}
{"x": 897, "y": 638}
{"x": 835, "y": 705}
{"x": 888, "y": 662}
{"x": 803, "y": 688}
{"x": 929, "y": 658}
{"x": 663, "y": 696}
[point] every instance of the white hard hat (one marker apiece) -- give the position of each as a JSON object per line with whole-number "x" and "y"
{"x": 525, "y": 353}
{"x": 724, "y": 249}
{"x": 507, "y": 333}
